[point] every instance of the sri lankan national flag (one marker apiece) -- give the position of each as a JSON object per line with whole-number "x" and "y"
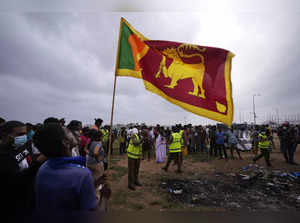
{"x": 196, "y": 78}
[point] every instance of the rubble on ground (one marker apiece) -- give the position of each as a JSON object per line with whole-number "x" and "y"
{"x": 253, "y": 188}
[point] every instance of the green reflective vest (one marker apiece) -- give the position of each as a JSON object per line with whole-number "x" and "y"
{"x": 133, "y": 151}
{"x": 181, "y": 132}
{"x": 104, "y": 135}
{"x": 265, "y": 144}
{"x": 175, "y": 146}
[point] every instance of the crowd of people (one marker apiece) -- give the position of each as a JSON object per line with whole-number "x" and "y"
{"x": 53, "y": 166}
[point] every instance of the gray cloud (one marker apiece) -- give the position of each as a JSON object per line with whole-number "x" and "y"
{"x": 62, "y": 63}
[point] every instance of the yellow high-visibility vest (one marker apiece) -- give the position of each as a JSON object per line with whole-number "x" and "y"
{"x": 104, "y": 135}
{"x": 175, "y": 146}
{"x": 181, "y": 132}
{"x": 265, "y": 144}
{"x": 133, "y": 151}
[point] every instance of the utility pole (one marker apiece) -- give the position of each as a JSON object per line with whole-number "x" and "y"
{"x": 277, "y": 114}
{"x": 254, "y": 114}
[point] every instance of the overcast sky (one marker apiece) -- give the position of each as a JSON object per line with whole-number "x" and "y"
{"x": 59, "y": 59}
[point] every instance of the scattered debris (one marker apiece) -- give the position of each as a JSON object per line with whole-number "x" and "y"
{"x": 253, "y": 189}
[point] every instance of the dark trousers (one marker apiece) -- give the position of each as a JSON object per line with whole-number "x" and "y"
{"x": 263, "y": 153}
{"x": 288, "y": 150}
{"x": 133, "y": 171}
{"x": 234, "y": 147}
{"x": 177, "y": 157}
{"x": 221, "y": 149}
{"x": 202, "y": 147}
{"x": 213, "y": 149}
{"x": 147, "y": 153}
{"x": 122, "y": 147}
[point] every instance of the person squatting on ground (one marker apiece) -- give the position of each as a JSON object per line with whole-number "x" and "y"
{"x": 175, "y": 154}
{"x": 134, "y": 152}
{"x": 264, "y": 144}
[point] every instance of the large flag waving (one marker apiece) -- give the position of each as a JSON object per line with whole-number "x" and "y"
{"x": 196, "y": 78}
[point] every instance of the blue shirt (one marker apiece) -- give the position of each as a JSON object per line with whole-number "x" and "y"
{"x": 220, "y": 137}
{"x": 232, "y": 140}
{"x": 67, "y": 187}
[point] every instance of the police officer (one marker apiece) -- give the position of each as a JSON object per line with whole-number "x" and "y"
{"x": 264, "y": 144}
{"x": 175, "y": 144}
{"x": 134, "y": 152}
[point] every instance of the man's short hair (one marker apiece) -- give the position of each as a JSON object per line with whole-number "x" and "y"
{"x": 8, "y": 127}
{"x": 51, "y": 120}
{"x": 2, "y": 120}
{"x": 98, "y": 121}
{"x": 49, "y": 139}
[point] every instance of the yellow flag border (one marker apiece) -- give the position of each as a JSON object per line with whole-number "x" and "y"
{"x": 226, "y": 119}
{"x": 129, "y": 73}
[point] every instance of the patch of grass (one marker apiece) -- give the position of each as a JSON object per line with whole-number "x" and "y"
{"x": 114, "y": 161}
{"x": 135, "y": 194}
{"x": 136, "y": 206}
{"x": 119, "y": 197}
{"x": 118, "y": 172}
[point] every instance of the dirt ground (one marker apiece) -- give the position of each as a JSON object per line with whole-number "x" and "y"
{"x": 150, "y": 197}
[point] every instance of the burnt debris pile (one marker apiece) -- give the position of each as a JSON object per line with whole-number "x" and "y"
{"x": 254, "y": 188}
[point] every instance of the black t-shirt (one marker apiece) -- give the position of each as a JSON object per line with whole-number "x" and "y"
{"x": 17, "y": 183}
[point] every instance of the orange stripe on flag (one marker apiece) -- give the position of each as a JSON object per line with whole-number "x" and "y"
{"x": 137, "y": 47}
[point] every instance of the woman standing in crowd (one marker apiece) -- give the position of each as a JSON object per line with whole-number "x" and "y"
{"x": 75, "y": 127}
{"x": 160, "y": 146}
{"x": 84, "y": 142}
{"x": 95, "y": 155}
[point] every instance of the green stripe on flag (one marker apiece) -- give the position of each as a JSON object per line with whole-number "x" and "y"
{"x": 126, "y": 60}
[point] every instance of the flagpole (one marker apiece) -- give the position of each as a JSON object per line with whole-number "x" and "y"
{"x": 112, "y": 114}
{"x": 113, "y": 101}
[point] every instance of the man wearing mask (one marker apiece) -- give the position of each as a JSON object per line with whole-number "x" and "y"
{"x": 134, "y": 152}
{"x": 18, "y": 169}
